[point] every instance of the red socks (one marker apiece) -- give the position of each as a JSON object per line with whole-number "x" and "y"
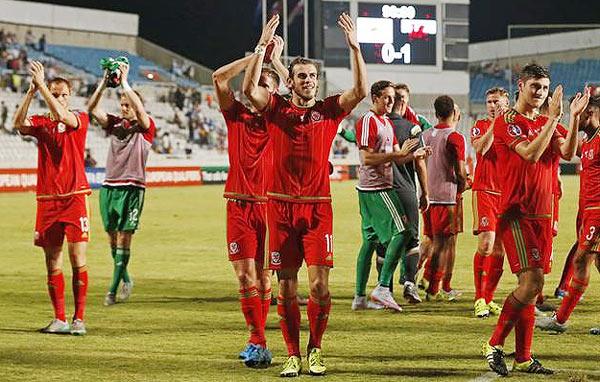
{"x": 80, "y": 286}
{"x": 478, "y": 274}
{"x": 434, "y": 282}
{"x": 493, "y": 272}
{"x": 289, "y": 321}
{"x": 318, "y": 314}
{"x": 252, "y": 309}
{"x": 507, "y": 320}
{"x": 524, "y": 333}
{"x": 569, "y": 302}
{"x": 265, "y": 300}
{"x": 446, "y": 283}
{"x": 56, "y": 290}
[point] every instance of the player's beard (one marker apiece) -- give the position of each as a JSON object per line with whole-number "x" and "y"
{"x": 307, "y": 95}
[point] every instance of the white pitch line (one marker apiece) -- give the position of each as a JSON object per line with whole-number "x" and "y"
{"x": 490, "y": 375}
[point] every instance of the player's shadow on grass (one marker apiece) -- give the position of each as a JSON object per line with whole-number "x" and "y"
{"x": 406, "y": 372}
{"x": 412, "y": 357}
{"x": 16, "y": 330}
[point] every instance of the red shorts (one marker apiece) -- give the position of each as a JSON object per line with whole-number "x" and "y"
{"x": 589, "y": 236}
{"x": 60, "y": 217}
{"x": 441, "y": 219}
{"x": 246, "y": 230}
{"x": 299, "y": 231}
{"x": 527, "y": 242}
{"x": 555, "y": 207}
{"x": 485, "y": 211}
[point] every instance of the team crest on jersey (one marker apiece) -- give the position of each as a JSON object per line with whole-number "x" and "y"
{"x": 475, "y": 132}
{"x": 484, "y": 222}
{"x": 535, "y": 253}
{"x": 275, "y": 258}
{"x": 234, "y": 248}
{"x": 589, "y": 154}
{"x": 61, "y": 127}
{"x": 315, "y": 116}
{"x": 514, "y": 130}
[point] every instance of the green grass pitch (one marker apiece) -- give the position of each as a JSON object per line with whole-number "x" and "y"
{"x": 183, "y": 322}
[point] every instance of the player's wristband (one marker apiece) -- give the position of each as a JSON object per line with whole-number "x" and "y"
{"x": 260, "y": 49}
{"x": 126, "y": 86}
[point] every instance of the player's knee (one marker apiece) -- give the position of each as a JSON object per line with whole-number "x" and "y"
{"x": 485, "y": 248}
{"x": 319, "y": 288}
{"x": 581, "y": 260}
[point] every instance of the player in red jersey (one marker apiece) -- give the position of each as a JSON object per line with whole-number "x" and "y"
{"x": 589, "y": 190}
{"x": 245, "y": 190}
{"x": 62, "y": 191}
{"x": 299, "y": 213}
{"x": 489, "y": 258}
{"x": 522, "y": 138}
{"x": 446, "y": 177}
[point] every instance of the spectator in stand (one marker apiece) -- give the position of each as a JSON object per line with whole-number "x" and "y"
{"x": 167, "y": 145}
{"x": 89, "y": 161}
{"x": 29, "y": 39}
{"x": 179, "y": 98}
{"x": 3, "y": 116}
{"x": 42, "y": 43}
{"x": 195, "y": 121}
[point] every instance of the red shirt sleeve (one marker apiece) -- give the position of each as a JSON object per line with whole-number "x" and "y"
{"x": 83, "y": 119}
{"x": 456, "y": 145}
{"x": 366, "y": 132}
{"x": 509, "y": 134}
{"x": 478, "y": 130}
{"x": 151, "y": 132}
{"x": 37, "y": 123}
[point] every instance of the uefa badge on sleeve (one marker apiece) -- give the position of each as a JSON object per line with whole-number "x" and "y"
{"x": 514, "y": 130}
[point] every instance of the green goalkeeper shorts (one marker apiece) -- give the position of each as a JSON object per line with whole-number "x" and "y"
{"x": 382, "y": 215}
{"x": 121, "y": 207}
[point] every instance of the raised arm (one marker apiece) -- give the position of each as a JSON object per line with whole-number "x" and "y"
{"x": 221, "y": 78}
{"x": 20, "y": 121}
{"x": 568, "y": 146}
{"x": 258, "y": 95}
{"x": 93, "y": 104}
{"x": 350, "y": 98}
{"x": 136, "y": 103}
{"x": 58, "y": 111}
{"x": 276, "y": 59}
{"x": 532, "y": 151}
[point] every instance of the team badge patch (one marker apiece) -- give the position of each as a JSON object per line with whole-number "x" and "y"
{"x": 315, "y": 116}
{"x": 484, "y": 221}
{"x": 514, "y": 130}
{"x": 475, "y": 132}
{"x": 535, "y": 253}
{"x": 275, "y": 258}
{"x": 234, "y": 248}
{"x": 61, "y": 127}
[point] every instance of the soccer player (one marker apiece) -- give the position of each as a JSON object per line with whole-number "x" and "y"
{"x": 122, "y": 193}
{"x": 299, "y": 213}
{"x": 522, "y": 137}
{"x": 446, "y": 175}
{"x": 62, "y": 192}
{"x": 489, "y": 258}
{"x": 382, "y": 215}
{"x": 589, "y": 237}
{"x": 406, "y": 187}
{"x": 249, "y": 165}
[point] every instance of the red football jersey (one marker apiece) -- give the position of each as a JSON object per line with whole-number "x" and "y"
{"x": 526, "y": 187}
{"x": 249, "y": 154}
{"x": 486, "y": 173}
{"x": 301, "y": 141}
{"x": 61, "y": 169}
{"x": 589, "y": 179}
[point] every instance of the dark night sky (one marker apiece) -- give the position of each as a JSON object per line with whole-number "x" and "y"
{"x": 214, "y": 32}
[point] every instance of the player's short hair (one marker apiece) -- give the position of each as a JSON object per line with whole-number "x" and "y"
{"x": 271, "y": 73}
{"x": 61, "y": 80}
{"x": 377, "y": 87}
{"x": 534, "y": 71}
{"x": 497, "y": 90}
{"x": 444, "y": 106}
{"x": 594, "y": 101}
{"x": 398, "y": 87}
{"x": 302, "y": 61}
{"x": 137, "y": 93}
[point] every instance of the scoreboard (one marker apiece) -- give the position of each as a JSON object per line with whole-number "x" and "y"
{"x": 397, "y": 34}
